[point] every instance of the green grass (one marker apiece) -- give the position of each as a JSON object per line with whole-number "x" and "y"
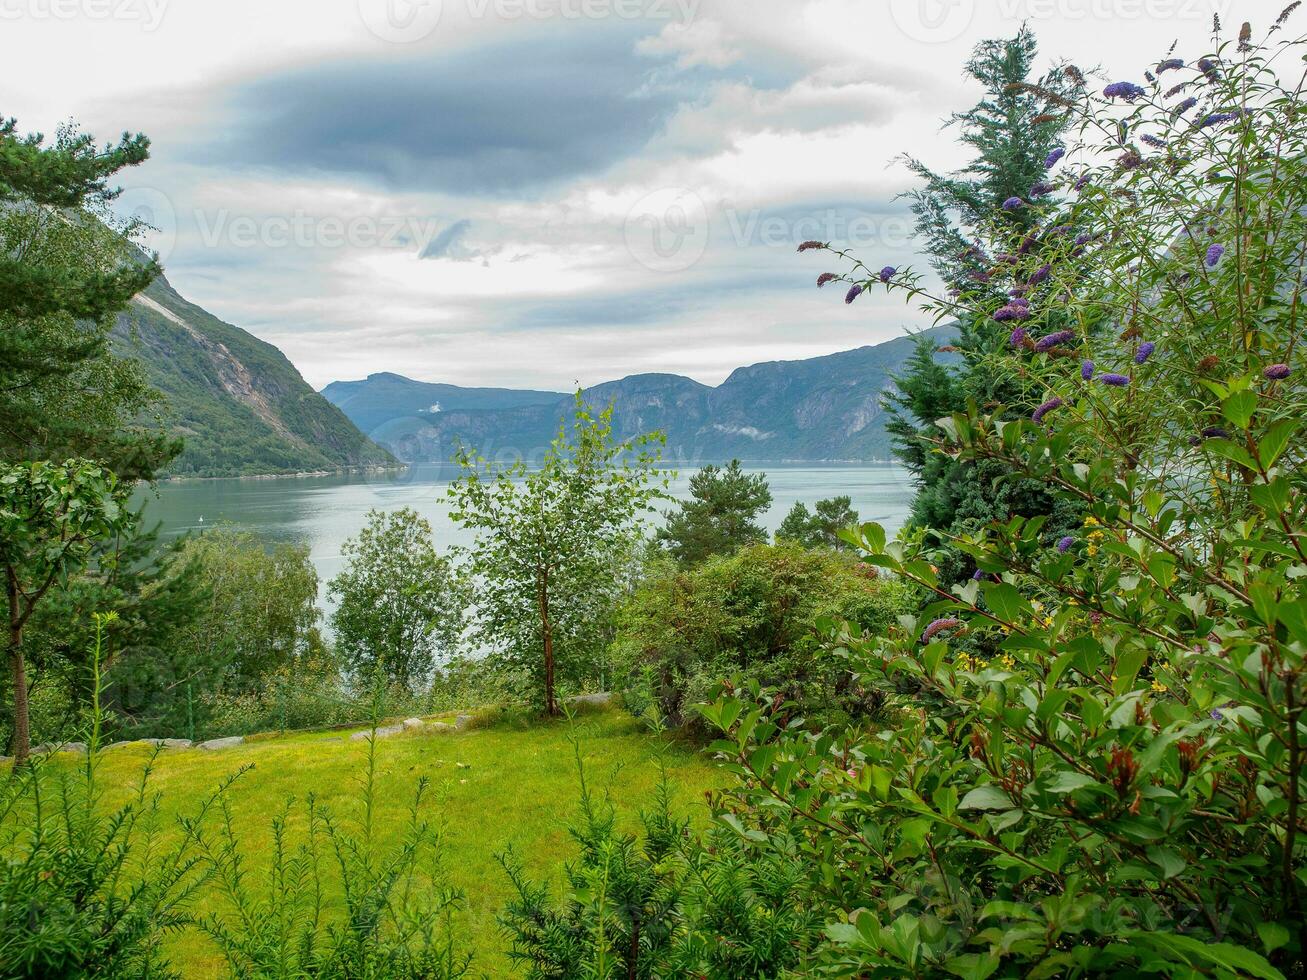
{"x": 509, "y": 783}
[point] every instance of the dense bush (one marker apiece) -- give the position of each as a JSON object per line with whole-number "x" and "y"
{"x": 753, "y": 615}
{"x": 1119, "y": 789}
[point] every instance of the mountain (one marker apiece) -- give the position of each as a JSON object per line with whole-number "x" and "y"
{"x": 240, "y": 405}
{"x": 823, "y": 408}
{"x": 383, "y": 397}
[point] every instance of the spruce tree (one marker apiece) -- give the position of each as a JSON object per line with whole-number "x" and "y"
{"x": 1013, "y": 131}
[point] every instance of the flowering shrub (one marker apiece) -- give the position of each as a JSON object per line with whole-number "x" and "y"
{"x": 1101, "y": 765}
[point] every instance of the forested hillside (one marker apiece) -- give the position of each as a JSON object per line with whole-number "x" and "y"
{"x": 240, "y": 405}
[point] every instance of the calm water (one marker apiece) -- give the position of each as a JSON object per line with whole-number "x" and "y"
{"x": 323, "y": 512}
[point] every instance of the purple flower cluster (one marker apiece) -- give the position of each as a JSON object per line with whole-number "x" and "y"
{"x": 826, "y": 277}
{"x": 1038, "y": 414}
{"x": 1276, "y": 372}
{"x": 1115, "y": 380}
{"x": 1018, "y": 337}
{"x": 1145, "y": 351}
{"x": 1215, "y": 432}
{"x": 887, "y": 273}
{"x": 1050, "y": 161}
{"x": 1064, "y": 545}
{"x": 807, "y": 245}
{"x": 1015, "y": 310}
{"x": 1049, "y": 341}
{"x": 1042, "y": 189}
{"x": 937, "y": 627}
{"x": 1082, "y": 183}
{"x": 1217, "y": 118}
{"x": 1123, "y": 90}
{"x": 1208, "y": 67}
{"x": 1041, "y": 275}
{"x": 1214, "y": 253}
{"x": 1012, "y": 203}
{"x": 1170, "y": 64}
{"x": 853, "y": 293}
{"x": 1156, "y": 142}
{"x": 1087, "y": 370}
{"x": 1184, "y": 106}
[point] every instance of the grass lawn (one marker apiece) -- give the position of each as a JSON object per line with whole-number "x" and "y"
{"x": 509, "y": 783}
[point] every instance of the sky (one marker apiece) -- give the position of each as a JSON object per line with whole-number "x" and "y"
{"x": 540, "y": 193}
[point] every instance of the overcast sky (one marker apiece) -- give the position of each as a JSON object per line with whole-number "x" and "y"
{"x": 537, "y": 193}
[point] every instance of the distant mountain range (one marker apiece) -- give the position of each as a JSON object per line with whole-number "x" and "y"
{"x": 241, "y": 406}
{"x": 819, "y": 409}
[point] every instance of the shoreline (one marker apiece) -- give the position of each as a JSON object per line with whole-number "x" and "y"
{"x": 300, "y": 475}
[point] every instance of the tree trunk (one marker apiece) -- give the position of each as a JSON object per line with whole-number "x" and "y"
{"x": 21, "y": 745}
{"x": 547, "y": 633}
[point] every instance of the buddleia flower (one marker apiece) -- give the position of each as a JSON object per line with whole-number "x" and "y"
{"x": 1156, "y": 142}
{"x": 1012, "y": 311}
{"x": 1038, "y": 414}
{"x": 1208, "y": 67}
{"x": 810, "y": 245}
{"x": 1082, "y": 183}
{"x": 1042, "y": 189}
{"x": 1145, "y": 351}
{"x": 1214, "y": 253}
{"x": 1170, "y": 64}
{"x": 1123, "y": 90}
{"x": 826, "y": 277}
{"x": 1115, "y": 380}
{"x": 1217, "y": 118}
{"x": 1049, "y": 341}
{"x": 1018, "y": 337}
{"x": 1184, "y": 106}
{"x": 1064, "y": 545}
{"x": 1012, "y": 203}
{"x": 887, "y": 273}
{"x": 1276, "y": 372}
{"x": 1041, "y": 275}
{"x": 1087, "y": 370}
{"x": 1050, "y": 161}
{"x": 1215, "y": 432}
{"x": 853, "y": 293}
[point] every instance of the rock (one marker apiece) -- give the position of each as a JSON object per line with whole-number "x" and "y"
{"x": 442, "y": 726}
{"x": 462, "y": 721}
{"x": 76, "y": 747}
{"x": 385, "y": 732}
{"x": 414, "y": 724}
{"x": 601, "y": 699}
{"x": 165, "y": 743}
{"x": 214, "y": 744}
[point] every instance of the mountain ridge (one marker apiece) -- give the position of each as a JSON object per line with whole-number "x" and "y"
{"x": 826, "y": 408}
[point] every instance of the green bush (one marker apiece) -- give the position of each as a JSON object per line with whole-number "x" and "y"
{"x": 756, "y": 615}
{"x": 1118, "y": 788}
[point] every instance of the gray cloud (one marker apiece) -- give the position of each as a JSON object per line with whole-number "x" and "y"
{"x": 502, "y": 118}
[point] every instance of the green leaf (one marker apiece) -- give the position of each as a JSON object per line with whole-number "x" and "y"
{"x": 986, "y": 797}
{"x": 1273, "y": 935}
{"x": 1167, "y": 859}
{"x": 1274, "y": 440}
{"x": 1239, "y": 408}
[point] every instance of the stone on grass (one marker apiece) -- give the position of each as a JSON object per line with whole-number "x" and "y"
{"x": 384, "y": 732}
{"x": 78, "y": 748}
{"x": 462, "y": 721}
{"x": 414, "y": 724}
{"x": 214, "y": 744}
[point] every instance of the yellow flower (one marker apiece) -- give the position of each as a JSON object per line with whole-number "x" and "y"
{"x": 1008, "y": 661}
{"x": 1159, "y": 687}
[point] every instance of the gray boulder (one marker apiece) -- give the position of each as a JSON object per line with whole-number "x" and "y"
{"x": 414, "y": 724}
{"x": 599, "y": 700}
{"x": 215, "y": 744}
{"x": 384, "y": 732}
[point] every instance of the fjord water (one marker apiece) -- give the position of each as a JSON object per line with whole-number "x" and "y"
{"x": 323, "y": 512}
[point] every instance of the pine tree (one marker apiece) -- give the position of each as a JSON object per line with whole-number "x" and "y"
{"x": 721, "y": 515}
{"x": 67, "y": 267}
{"x": 1011, "y": 131}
